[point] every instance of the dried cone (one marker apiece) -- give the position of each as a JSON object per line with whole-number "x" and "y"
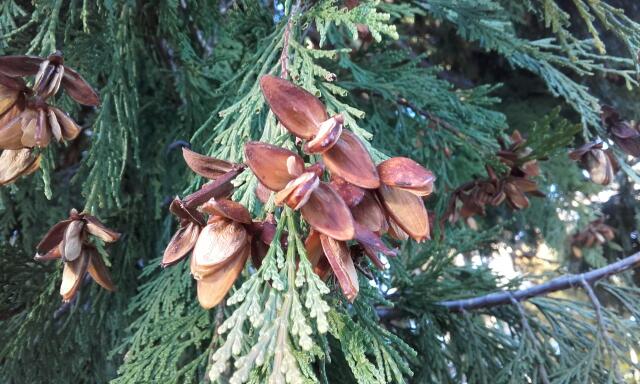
{"x": 220, "y": 246}
{"x": 34, "y": 127}
{"x": 596, "y": 161}
{"x": 514, "y": 154}
{"x": 327, "y": 213}
{"x": 298, "y": 191}
{"x": 98, "y": 270}
{"x": 214, "y": 287}
{"x": 319, "y": 204}
{"x": 305, "y": 116}
{"x": 220, "y": 242}
{"x": 349, "y": 159}
{"x": 72, "y": 276}
{"x": 271, "y": 164}
{"x": 71, "y": 245}
{"x": 339, "y": 257}
{"x": 181, "y": 243}
{"x": 298, "y": 110}
{"x": 406, "y": 210}
{"x": 370, "y": 214}
{"x": 406, "y": 174}
{"x": 50, "y": 74}
{"x": 66, "y": 240}
{"x": 624, "y": 133}
{"x": 17, "y": 163}
{"x": 596, "y": 233}
{"x": 205, "y": 166}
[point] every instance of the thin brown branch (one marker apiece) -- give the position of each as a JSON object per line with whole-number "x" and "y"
{"x": 220, "y": 187}
{"x": 284, "y": 56}
{"x": 429, "y": 116}
{"x": 557, "y": 284}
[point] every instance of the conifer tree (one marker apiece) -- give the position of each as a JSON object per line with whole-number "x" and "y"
{"x": 319, "y": 191}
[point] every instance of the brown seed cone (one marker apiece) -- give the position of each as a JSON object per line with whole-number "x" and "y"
{"x": 213, "y": 288}
{"x": 72, "y": 276}
{"x": 369, "y": 213}
{"x": 327, "y": 136}
{"x": 71, "y": 245}
{"x": 96, "y": 228}
{"x": 351, "y": 194}
{"x": 269, "y": 164}
{"x": 17, "y": 163}
{"x": 406, "y": 174}
{"x": 181, "y": 244}
{"x": 98, "y": 270}
{"x": 297, "y": 110}
{"x": 327, "y": 213}
{"x": 315, "y": 255}
{"x": 228, "y": 209}
{"x": 339, "y": 257}
{"x": 298, "y": 191}
{"x": 205, "y": 166}
{"x": 219, "y": 242}
{"x": 407, "y": 210}
{"x": 75, "y": 85}
{"x": 349, "y": 159}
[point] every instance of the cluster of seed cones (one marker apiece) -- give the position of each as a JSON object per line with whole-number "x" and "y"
{"x": 220, "y": 244}
{"x": 27, "y": 121}
{"x": 600, "y": 163}
{"x": 512, "y": 187}
{"x": 344, "y": 199}
{"x": 596, "y": 233}
{"x": 70, "y": 240}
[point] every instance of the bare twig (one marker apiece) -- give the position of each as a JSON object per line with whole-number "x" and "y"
{"x": 602, "y": 326}
{"x": 557, "y": 284}
{"x": 429, "y": 116}
{"x": 284, "y": 56}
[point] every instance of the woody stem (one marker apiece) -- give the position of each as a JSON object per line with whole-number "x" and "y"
{"x": 220, "y": 187}
{"x": 557, "y": 284}
{"x": 284, "y": 56}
